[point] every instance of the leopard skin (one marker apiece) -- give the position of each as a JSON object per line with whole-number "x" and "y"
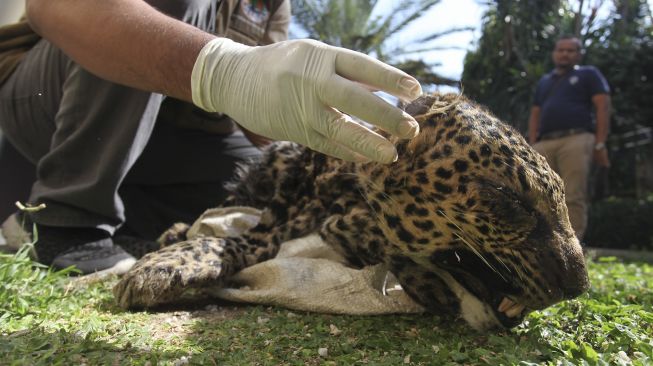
{"x": 470, "y": 219}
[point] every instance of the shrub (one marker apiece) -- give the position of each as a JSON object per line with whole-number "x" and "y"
{"x": 621, "y": 223}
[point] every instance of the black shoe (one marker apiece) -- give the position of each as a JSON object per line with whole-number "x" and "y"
{"x": 88, "y": 249}
{"x": 96, "y": 256}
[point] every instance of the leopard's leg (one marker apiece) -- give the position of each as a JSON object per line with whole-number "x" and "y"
{"x": 356, "y": 236}
{"x": 160, "y": 277}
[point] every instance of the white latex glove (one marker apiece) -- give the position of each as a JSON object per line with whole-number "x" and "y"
{"x": 299, "y": 91}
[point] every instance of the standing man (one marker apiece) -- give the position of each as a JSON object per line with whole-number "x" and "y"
{"x": 569, "y": 124}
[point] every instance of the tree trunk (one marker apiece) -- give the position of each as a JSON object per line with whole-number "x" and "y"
{"x": 578, "y": 19}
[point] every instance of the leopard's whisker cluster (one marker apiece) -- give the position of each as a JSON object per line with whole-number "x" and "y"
{"x": 468, "y": 244}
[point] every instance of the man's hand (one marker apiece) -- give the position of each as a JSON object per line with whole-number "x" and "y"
{"x": 602, "y": 104}
{"x": 533, "y": 124}
{"x": 601, "y": 158}
{"x": 304, "y": 91}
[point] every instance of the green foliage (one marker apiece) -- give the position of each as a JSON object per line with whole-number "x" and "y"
{"x": 597, "y": 328}
{"x": 350, "y": 24}
{"x": 73, "y": 321}
{"x": 18, "y": 275}
{"x": 623, "y": 51}
{"x": 353, "y": 24}
{"x": 514, "y": 51}
{"x": 622, "y": 223}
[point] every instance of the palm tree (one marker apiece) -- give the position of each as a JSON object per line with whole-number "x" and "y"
{"x": 352, "y": 24}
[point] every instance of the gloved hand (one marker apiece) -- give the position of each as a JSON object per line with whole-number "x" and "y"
{"x": 299, "y": 91}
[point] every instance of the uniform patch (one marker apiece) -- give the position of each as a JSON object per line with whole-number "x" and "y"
{"x": 573, "y": 80}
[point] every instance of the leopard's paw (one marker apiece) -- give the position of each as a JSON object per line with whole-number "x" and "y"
{"x": 161, "y": 277}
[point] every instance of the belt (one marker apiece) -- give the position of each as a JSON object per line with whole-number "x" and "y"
{"x": 562, "y": 133}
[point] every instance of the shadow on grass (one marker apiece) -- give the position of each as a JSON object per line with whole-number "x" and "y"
{"x": 218, "y": 332}
{"x": 283, "y": 337}
{"x": 40, "y": 347}
{"x": 83, "y": 325}
{"x": 225, "y": 333}
{"x": 234, "y": 334}
{"x": 210, "y": 332}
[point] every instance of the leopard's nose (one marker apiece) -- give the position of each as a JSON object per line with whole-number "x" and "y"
{"x": 565, "y": 270}
{"x": 574, "y": 280}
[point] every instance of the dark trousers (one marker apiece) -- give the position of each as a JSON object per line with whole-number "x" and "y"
{"x": 17, "y": 175}
{"x": 105, "y": 155}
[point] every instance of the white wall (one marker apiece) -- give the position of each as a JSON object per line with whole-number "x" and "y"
{"x": 11, "y": 10}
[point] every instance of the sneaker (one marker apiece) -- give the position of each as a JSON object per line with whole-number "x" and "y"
{"x": 88, "y": 249}
{"x": 96, "y": 256}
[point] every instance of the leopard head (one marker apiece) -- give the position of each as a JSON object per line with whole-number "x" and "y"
{"x": 475, "y": 218}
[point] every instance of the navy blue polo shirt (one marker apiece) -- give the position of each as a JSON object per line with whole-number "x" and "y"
{"x": 565, "y": 101}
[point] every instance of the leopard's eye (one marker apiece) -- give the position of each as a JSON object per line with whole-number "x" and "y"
{"x": 507, "y": 211}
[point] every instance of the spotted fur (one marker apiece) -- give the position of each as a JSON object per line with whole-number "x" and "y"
{"x": 469, "y": 215}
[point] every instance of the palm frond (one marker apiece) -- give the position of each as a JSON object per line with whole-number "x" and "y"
{"x": 353, "y": 24}
{"x": 440, "y": 34}
{"x": 425, "y": 49}
{"x": 423, "y": 8}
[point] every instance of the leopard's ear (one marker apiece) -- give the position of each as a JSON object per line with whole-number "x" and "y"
{"x": 429, "y": 105}
{"x": 420, "y": 105}
{"x": 417, "y": 107}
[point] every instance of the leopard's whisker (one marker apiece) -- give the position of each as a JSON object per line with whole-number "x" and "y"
{"x": 521, "y": 264}
{"x": 377, "y": 214}
{"x": 471, "y": 247}
{"x": 506, "y": 164}
{"x": 497, "y": 257}
{"x": 494, "y": 255}
{"x": 475, "y": 251}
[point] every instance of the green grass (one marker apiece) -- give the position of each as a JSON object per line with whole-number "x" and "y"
{"x": 48, "y": 318}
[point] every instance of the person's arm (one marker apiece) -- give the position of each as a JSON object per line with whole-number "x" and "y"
{"x": 301, "y": 90}
{"x": 125, "y": 41}
{"x": 533, "y": 124}
{"x": 602, "y": 106}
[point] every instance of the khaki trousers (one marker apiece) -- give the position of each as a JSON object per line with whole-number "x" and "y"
{"x": 571, "y": 157}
